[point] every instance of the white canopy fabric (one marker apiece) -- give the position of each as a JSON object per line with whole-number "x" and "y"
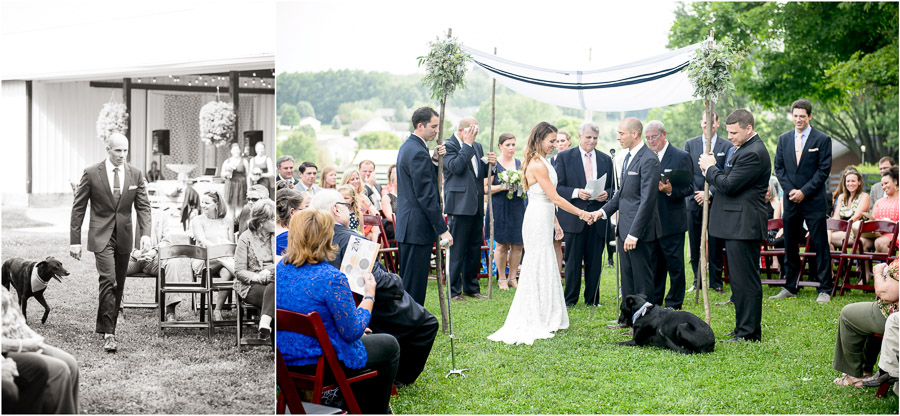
{"x": 650, "y": 83}
{"x": 60, "y": 40}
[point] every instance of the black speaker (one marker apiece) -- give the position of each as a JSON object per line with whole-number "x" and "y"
{"x": 252, "y": 137}
{"x": 161, "y": 142}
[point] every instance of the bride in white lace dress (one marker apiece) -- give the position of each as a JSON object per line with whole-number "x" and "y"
{"x": 538, "y": 308}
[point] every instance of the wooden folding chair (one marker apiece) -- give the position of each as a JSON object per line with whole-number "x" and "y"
{"x": 214, "y": 286}
{"x": 245, "y": 314}
{"x": 139, "y": 304}
{"x": 863, "y": 259}
{"x": 196, "y": 287}
{"x": 327, "y": 363}
{"x": 769, "y": 253}
{"x": 288, "y": 394}
{"x": 390, "y": 258}
{"x": 808, "y": 257}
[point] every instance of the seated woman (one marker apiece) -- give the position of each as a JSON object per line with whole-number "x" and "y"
{"x": 886, "y": 209}
{"x": 307, "y": 283}
{"x": 287, "y": 203}
{"x": 366, "y": 206}
{"x": 851, "y": 203}
{"x": 389, "y": 202}
{"x": 21, "y": 343}
{"x": 329, "y": 178}
{"x": 855, "y": 351}
{"x": 212, "y": 228}
{"x": 254, "y": 264}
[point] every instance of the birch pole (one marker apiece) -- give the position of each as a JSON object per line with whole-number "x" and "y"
{"x": 489, "y": 196}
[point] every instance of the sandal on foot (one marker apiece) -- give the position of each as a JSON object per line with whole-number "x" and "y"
{"x": 503, "y": 284}
{"x": 513, "y": 283}
{"x": 848, "y": 380}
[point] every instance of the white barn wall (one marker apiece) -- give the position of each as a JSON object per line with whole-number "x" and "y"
{"x": 13, "y": 113}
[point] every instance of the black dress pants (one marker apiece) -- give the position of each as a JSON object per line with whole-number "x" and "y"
{"x": 465, "y": 254}
{"x": 715, "y": 246}
{"x": 637, "y": 274}
{"x": 794, "y": 235}
{"x": 112, "y": 267}
{"x": 746, "y": 288}
{"x": 668, "y": 259}
{"x": 415, "y": 263}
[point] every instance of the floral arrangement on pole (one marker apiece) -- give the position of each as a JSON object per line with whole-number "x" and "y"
{"x": 513, "y": 180}
{"x": 113, "y": 118}
{"x": 217, "y": 123}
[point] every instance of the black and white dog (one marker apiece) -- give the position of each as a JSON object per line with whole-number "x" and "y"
{"x": 31, "y": 278}
{"x": 679, "y": 331}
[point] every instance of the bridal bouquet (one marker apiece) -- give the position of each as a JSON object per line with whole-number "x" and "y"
{"x": 113, "y": 118}
{"x": 513, "y": 180}
{"x": 217, "y": 122}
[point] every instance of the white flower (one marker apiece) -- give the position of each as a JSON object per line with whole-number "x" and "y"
{"x": 113, "y": 118}
{"x": 217, "y": 122}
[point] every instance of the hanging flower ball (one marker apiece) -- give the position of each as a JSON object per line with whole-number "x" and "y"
{"x": 113, "y": 118}
{"x": 217, "y": 123}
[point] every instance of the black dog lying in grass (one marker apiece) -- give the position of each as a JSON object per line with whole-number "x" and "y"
{"x": 679, "y": 331}
{"x": 31, "y": 279}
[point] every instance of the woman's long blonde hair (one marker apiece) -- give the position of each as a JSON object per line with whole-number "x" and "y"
{"x": 533, "y": 145}
{"x": 324, "y": 173}
{"x": 309, "y": 238}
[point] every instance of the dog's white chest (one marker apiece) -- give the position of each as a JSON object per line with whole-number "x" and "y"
{"x": 37, "y": 284}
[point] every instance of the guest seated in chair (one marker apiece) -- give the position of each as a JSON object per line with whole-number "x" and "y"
{"x": 886, "y": 209}
{"x": 395, "y": 312}
{"x": 856, "y": 349}
{"x": 308, "y": 283}
{"x": 212, "y": 228}
{"x": 146, "y": 261}
{"x": 22, "y": 344}
{"x": 287, "y": 203}
{"x": 254, "y": 264}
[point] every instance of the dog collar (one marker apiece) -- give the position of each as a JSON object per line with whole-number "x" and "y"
{"x": 37, "y": 284}
{"x": 641, "y": 312}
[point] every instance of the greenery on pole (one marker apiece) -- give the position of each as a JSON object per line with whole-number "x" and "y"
{"x": 445, "y": 67}
{"x": 709, "y": 70}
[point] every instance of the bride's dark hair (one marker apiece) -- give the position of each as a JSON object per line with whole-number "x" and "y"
{"x": 533, "y": 145}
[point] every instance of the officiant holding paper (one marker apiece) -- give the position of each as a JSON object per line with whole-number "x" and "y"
{"x": 675, "y": 184}
{"x": 575, "y": 168}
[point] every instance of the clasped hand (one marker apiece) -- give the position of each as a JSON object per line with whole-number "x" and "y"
{"x": 590, "y": 217}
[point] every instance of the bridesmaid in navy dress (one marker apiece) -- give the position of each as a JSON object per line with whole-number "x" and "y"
{"x": 508, "y": 215}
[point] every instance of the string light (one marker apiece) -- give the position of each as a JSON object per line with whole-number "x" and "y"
{"x": 154, "y": 80}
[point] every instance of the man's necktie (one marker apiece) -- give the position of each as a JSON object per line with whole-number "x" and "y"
{"x": 625, "y": 165}
{"x": 117, "y": 189}
{"x": 798, "y": 146}
{"x": 588, "y": 167}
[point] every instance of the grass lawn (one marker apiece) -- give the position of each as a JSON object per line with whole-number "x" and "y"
{"x": 181, "y": 372}
{"x": 577, "y": 372}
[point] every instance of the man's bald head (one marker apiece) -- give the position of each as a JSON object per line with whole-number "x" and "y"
{"x": 633, "y": 125}
{"x": 117, "y": 148}
{"x": 466, "y": 122}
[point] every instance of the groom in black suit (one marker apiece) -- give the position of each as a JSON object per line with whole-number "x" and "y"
{"x": 639, "y": 225}
{"x": 695, "y": 147}
{"x": 741, "y": 217}
{"x": 802, "y": 165}
{"x": 668, "y": 252}
{"x": 583, "y": 242}
{"x": 419, "y": 219}
{"x": 464, "y": 174}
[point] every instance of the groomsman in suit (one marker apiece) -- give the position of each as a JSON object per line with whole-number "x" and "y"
{"x": 113, "y": 187}
{"x": 464, "y": 174}
{"x": 285, "y": 166}
{"x": 583, "y": 242}
{"x": 695, "y": 147}
{"x": 668, "y": 251}
{"x": 741, "y": 218}
{"x": 802, "y": 165}
{"x": 307, "y": 183}
{"x": 639, "y": 225}
{"x": 419, "y": 219}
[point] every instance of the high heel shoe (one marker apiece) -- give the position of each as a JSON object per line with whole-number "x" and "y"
{"x": 513, "y": 283}
{"x": 502, "y": 284}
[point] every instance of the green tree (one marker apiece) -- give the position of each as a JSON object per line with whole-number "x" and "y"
{"x": 290, "y": 117}
{"x": 378, "y": 140}
{"x": 305, "y": 109}
{"x": 841, "y": 56}
{"x": 284, "y": 107}
{"x": 301, "y": 145}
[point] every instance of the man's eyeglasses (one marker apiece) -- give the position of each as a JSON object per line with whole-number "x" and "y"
{"x": 253, "y": 199}
{"x": 343, "y": 203}
{"x": 654, "y": 137}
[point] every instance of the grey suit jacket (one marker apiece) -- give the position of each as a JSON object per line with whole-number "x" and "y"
{"x": 636, "y": 198}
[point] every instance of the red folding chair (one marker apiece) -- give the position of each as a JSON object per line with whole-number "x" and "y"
{"x": 327, "y": 363}
{"x": 865, "y": 259}
{"x": 769, "y": 253}
{"x": 389, "y": 256}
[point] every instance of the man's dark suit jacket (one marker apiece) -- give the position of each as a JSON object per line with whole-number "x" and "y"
{"x": 740, "y": 202}
{"x": 570, "y": 175}
{"x": 694, "y": 147}
{"x": 106, "y": 214}
{"x": 671, "y": 207}
{"x": 811, "y": 176}
{"x": 636, "y": 198}
{"x": 395, "y": 312}
{"x": 419, "y": 218}
{"x": 463, "y": 190}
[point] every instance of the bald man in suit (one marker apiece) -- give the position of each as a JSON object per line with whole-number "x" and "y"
{"x": 112, "y": 187}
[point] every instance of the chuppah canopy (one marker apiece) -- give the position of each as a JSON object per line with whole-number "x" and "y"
{"x": 649, "y": 83}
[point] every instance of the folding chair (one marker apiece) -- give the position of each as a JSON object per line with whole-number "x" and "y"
{"x": 311, "y": 325}
{"x": 769, "y": 253}
{"x": 138, "y": 304}
{"x": 288, "y": 395}
{"x": 863, "y": 259}
{"x": 216, "y": 252}
{"x": 196, "y": 287}
{"x": 245, "y": 314}
{"x": 390, "y": 258}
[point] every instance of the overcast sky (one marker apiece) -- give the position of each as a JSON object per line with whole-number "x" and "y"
{"x": 317, "y": 35}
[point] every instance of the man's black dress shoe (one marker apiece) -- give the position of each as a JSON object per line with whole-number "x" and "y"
{"x": 458, "y": 298}
{"x": 730, "y": 334}
{"x": 719, "y": 289}
{"x": 476, "y": 295}
{"x": 734, "y": 340}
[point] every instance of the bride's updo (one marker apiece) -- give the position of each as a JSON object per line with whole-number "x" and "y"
{"x": 533, "y": 144}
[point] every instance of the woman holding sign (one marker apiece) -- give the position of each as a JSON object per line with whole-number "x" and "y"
{"x": 308, "y": 283}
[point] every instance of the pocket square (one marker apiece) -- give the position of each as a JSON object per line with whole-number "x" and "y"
{"x": 814, "y": 150}
{"x": 132, "y": 187}
{"x": 720, "y": 154}
{"x": 632, "y": 173}
{"x": 667, "y": 170}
